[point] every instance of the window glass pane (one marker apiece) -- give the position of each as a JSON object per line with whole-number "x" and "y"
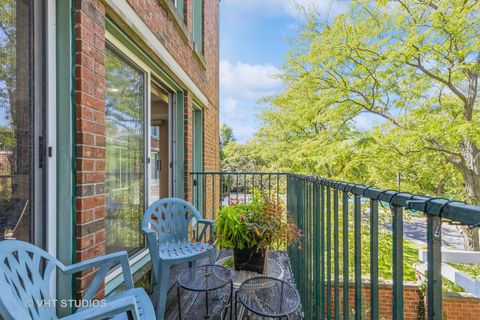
{"x": 179, "y": 5}
{"x": 198, "y": 24}
{"x": 16, "y": 121}
{"x": 124, "y": 153}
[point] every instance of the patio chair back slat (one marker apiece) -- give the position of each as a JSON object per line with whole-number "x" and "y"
{"x": 25, "y": 278}
{"x": 170, "y": 219}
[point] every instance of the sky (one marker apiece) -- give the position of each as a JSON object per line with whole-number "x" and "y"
{"x": 253, "y": 45}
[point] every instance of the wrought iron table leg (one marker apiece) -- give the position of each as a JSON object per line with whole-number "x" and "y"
{"x": 206, "y": 305}
{"x": 235, "y": 303}
{"x": 231, "y": 300}
{"x": 179, "y": 304}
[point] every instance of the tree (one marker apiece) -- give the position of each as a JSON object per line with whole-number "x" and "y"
{"x": 226, "y": 136}
{"x": 414, "y": 66}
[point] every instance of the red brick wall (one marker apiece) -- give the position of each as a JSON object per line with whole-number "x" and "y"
{"x": 456, "y": 306}
{"x": 188, "y": 132}
{"x": 157, "y": 15}
{"x": 90, "y": 132}
{"x": 90, "y": 105}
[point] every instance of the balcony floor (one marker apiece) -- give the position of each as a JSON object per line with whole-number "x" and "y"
{"x": 193, "y": 303}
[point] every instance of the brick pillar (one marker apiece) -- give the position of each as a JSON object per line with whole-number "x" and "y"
{"x": 188, "y": 127}
{"x": 188, "y": 14}
{"x": 90, "y": 134}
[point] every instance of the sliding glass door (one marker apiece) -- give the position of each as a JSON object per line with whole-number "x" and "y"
{"x": 138, "y": 169}
{"x": 125, "y": 153}
{"x": 22, "y": 120}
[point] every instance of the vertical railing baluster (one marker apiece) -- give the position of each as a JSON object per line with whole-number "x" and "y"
{"x": 357, "y": 225}
{"x": 220, "y": 201}
{"x": 301, "y": 260}
{"x": 245, "y": 189}
{"x": 278, "y": 187}
{"x": 261, "y": 181}
{"x": 397, "y": 230}
{"x": 269, "y": 185}
{"x": 196, "y": 185}
{"x": 204, "y": 193}
{"x": 374, "y": 309}
{"x": 346, "y": 277}
{"x": 229, "y": 188}
{"x": 317, "y": 259}
{"x": 253, "y": 182}
{"x": 322, "y": 248}
{"x": 434, "y": 263}
{"x": 213, "y": 196}
{"x": 237, "y": 190}
{"x": 310, "y": 249}
{"x": 329, "y": 254}
{"x": 309, "y": 245}
{"x": 336, "y": 256}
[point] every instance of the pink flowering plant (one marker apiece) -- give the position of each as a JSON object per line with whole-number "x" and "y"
{"x": 261, "y": 224}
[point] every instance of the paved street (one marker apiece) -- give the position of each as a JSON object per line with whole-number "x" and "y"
{"x": 415, "y": 229}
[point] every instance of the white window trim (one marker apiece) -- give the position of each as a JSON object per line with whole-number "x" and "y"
{"x": 127, "y": 14}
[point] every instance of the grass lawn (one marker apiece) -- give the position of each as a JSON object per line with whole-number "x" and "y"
{"x": 385, "y": 241}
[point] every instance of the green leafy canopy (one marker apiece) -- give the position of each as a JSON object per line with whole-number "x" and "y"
{"x": 410, "y": 70}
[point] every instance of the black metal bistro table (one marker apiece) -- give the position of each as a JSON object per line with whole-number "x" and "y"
{"x": 205, "y": 278}
{"x": 268, "y": 297}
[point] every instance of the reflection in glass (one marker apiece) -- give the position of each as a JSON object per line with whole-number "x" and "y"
{"x": 124, "y": 154}
{"x": 158, "y": 186}
{"x": 16, "y": 121}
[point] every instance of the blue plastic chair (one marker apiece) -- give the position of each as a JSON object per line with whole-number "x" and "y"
{"x": 26, "y": 272}
{"x": 166, "y": 225}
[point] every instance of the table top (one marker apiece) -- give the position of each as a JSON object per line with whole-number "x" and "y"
{"x": 269, "y": 297}
{"x": 205, "y": 278}
{"x": 274, "y": 270}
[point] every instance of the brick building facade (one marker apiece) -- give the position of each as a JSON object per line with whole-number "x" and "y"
{"x": 107, "y": 106}
{"x": 173, "y": 32}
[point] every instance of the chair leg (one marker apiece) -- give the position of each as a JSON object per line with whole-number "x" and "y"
{"x": 152, "y": 281}
{"x": 212, "y": 257}
{"x": 162, "y": 286}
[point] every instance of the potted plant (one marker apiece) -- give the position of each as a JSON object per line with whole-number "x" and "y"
{"x": 254, "y": 228}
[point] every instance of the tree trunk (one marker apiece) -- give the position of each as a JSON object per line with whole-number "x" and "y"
{"x": 470, "y": 169}
{"x": 470, "y": 236}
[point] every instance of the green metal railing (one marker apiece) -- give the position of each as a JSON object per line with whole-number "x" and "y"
{"x": 213, "y": 190}
{"x": 323, "y": 210}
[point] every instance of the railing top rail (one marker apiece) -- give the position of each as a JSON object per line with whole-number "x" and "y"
{"x": 241, "y": 173}
{"x": 435, "y": 206}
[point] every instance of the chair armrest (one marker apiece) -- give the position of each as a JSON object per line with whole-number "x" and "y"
{"x": 112, "y": 308}
{"x": 205, "y": 222}
{"x": 105, "y": 263}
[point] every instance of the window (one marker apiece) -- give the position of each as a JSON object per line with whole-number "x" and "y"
{"x": 124, "y": 188}
{"x": 198, "y": 25}
{"x": 179, "y": 5}
{"x": 22, "y": 118}
{"x": 198, "y": 158}
{"x": 156, "y": 132}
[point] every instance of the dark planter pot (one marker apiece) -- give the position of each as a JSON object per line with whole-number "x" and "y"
{"x": 250, "y": 259}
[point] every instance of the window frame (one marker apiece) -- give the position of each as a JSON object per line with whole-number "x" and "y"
{"x": 179, "y": 6}
{"x": 198, "y": 25}
{"x": 141, "y": 257}
{"x": 146, "y": 91}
